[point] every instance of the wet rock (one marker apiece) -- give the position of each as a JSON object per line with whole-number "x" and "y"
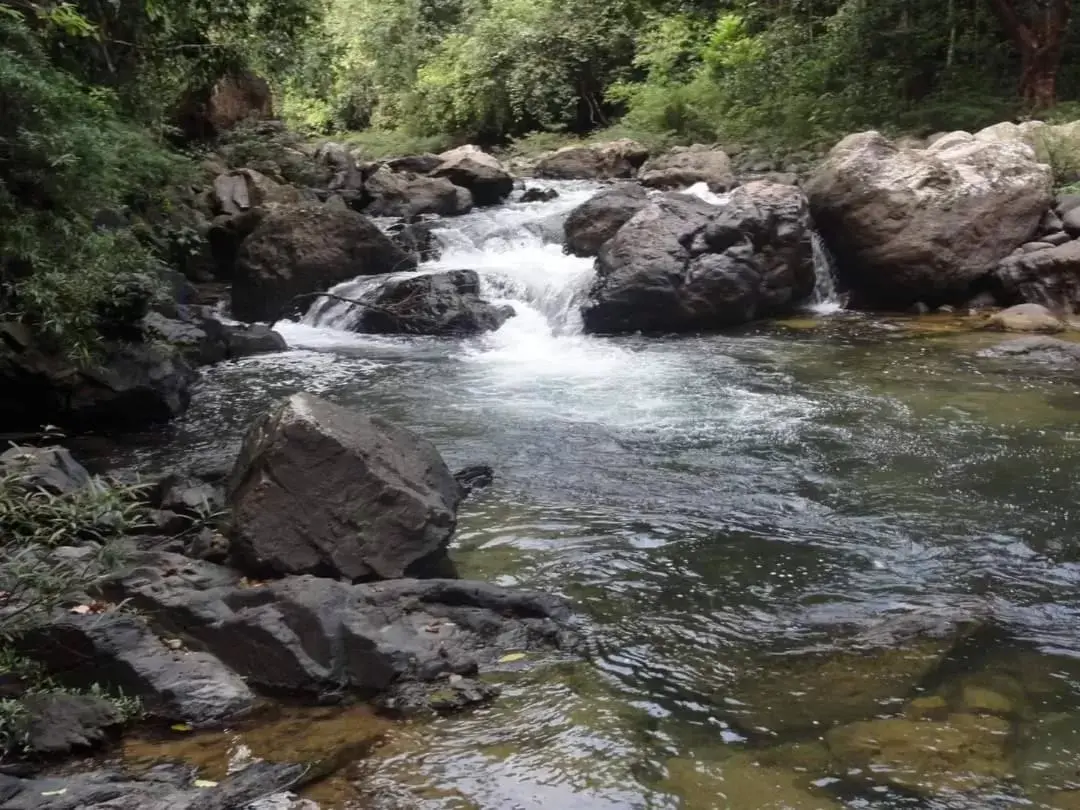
{"x": 1025, "y": 318}
{"x": 597, "y": 220}
{"x": 477, "y": 476}
{"x": 912, "y": 225}
{"x": 685, "y": 166}
{"x": 200, "y": 340}
{"x": 296, "y": 250}
{"x": 52, "y": 469}
{"x": 417, "y": 238}
{"x": 253, "y": 339}
{"x": 382, "y": 502}
{"x": 964, "y": 753}
{"x": 742, "y": 781}
{"x": 418, "y": 164}
{"x": 121, "y": 652}
{"x": 411, "y": 699}
{"x": 312, "y": 636}
{"x": 473, "y": 169}
{"x": 1051, "y": 274}
{"x": 537, "y": 194}
{"x": 402, "y": 194}
{"x": 444, "y": 304}
{"x": 58, "y": 723}
{"x": 131, "y": 384}
{"x": 681, "y": 264}
{"x": 1047, "y": 351}
{"x": 605, "y": 161}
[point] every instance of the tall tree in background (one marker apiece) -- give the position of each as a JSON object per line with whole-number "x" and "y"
{"x": 1039, "y": 28}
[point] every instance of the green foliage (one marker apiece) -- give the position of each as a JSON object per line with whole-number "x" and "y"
{"x": 375, "y": 144}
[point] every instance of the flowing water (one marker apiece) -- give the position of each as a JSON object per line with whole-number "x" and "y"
{"x": 819, "y": 524}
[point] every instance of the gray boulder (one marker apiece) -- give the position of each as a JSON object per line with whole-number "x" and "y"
{"x": 120, "y": 651}
{"x": 383, "y": 501}
{"x": 597, "y": 220}
{"x": 52, "y": 469}
{"x": 296, "y": 250}
{"x": 909, "y": 225}
{"x": 252, "y": 339}
{"x": 1053, "y": 353}
{"x": 685, "y": 166}
{"x": 424, "y": 163}
{"x": 681, "y": 264}
{"x": 615, "y": 160}
{"x": 403, "y": 194}
{"x": 474, "y": 169}
{"x": 445, "y": 304}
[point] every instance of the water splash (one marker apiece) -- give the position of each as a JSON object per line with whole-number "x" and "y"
{"x": 826, "y": 299}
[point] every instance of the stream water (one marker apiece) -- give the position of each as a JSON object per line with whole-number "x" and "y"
{"x": 828, "y": 522}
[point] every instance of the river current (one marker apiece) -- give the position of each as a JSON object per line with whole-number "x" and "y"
{"x": 826, "y": 522}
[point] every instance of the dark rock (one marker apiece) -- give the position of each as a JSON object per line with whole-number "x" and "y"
{"x": 208, "y": 545}
{"x": 225, "y": 235}
{"x": 1071, "y": 222}
{"x": 537, "y": 194}
{"x": 412, "y": 698}
{"x": 383, "y": 499}
{"x": 52, "y": 469}
{"x": 606, "y": 161}
{"x": 685, "y": 166}
{"x": 199, "y": 339}
{"x": 597, "y": 220}
{"x": 214, "y": 108}
{"x": 307, "y": 635}
{"x": 446, "y": 304}
{"x": 417, "y": 239}
{"x": 57, "y": 723}
{"x": 417, "y": 164}
{"x": 681, "y": 264}
{"x": 187, "y": 495}
{"x": 403, "y": 194}
{"x": 121, "y": 652}
{"x": 477, "y": 476}
{"x": 912, "y": 225}
{"x": 131, "y": 384}
{"x": 1046, "y": 351}
{"x": 473, "y": 169}
{"x": 256, "y": 781}
{"x": 296, "y": 250}
{"x": 249, "y": 340}
{"x": 1050, "y": 223}
{"x": 1052, "y": 274}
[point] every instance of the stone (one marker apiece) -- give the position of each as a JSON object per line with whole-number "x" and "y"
{"x": 615, "y": 160}
{"x": 121, "y": 652}
{"x": 1064, "y": 203}
{"x": 199, "y": 339}
{"x": 412, "y": 699}
{"x": 52, "y": 469}
{"x": 297, "y": 250}
{"x": 536, "y": 194}
{"x": 418, "y": 164}
{"x": 444, "y": 304}
{"x": 1025, "y": 318}
{"x": 403, "y": 194}
{"x": 682, "y": 265}
{"x": 1050, "y": 223}
{"x": 239, "y": 191}
{"x": 1056, "y": 239}
{"x": 474, "y": 169}
{"x": 964, "y": 753}
{"x": 925, "y": 225}
{"x": 417, "y": 238}
{"x": 1050, "y": 274}
{"x": 685, "y": 166}
{"x": 1033, "y": 247}
{"x": 382, "y": 502}
{"x": 474, "y": 477}
{"x": 253, "y": 339}
{"x": 306, "y": 635}
{"x": 1071, "y": 222}
{"x": 598, "y": 219}
{"x": 59, "y": 723}
{"x": 188, "y": 495}
{"x": 741, "y": 781}
{"x": 217, "y": 107}
{"x": 1045, "y": 351}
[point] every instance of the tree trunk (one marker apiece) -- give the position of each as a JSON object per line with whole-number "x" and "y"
{"x": 1038, "y": 29}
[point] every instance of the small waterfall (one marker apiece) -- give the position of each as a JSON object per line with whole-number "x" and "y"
{"x": 825, "y": 299}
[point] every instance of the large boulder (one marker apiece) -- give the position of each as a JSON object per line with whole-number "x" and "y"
{"x": 681, "y": 264}
{"x": 1050, "y": 274}
{"x": 403, "y": 194}
{"x": 685, "y": 166}
{"x": 296, "y": 250}
{"x": 1026, "y": 318}
{"x": 446, "y": 303}
{"x": 597, "y": 220}
{"x": 380, "y": 503}
{"x": 308, "y": 635}
{"x": 909, "y": 225}
{"x": 239, "y": 191}
{"x": 121, "y": 652}
{"x": 474, "y": 169}
{"x": 603, "y": 161}
{"x": 128, "y": 385}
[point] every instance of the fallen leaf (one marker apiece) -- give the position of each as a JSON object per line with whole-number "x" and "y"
{"x": 180, "y": 727}
{"x": 510, "y": 658}
{"x": 59, "y": 792}
{"x": 173, "y": 643}
{"x": 205, "y": 783}
{"x": 81, "y": 609}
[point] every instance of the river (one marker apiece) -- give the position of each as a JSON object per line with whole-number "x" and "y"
{"x": 770, "y": 533}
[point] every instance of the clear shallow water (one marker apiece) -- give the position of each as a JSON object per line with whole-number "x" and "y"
{"x": 769, "y": 534}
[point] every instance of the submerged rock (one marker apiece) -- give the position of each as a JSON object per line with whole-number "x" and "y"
{"x": 474, "y": 169}
{"x": 685, "y": 166}
{"x": 1047, "y": 351}
{"x": 598, "y": 219}
{"x": 603, "y": 161}
{"x": 383, "y": 500}
{"x": 1025, "y": 318}
{"x": 445, "y": 304}
{"x": 910, "y": 225}
{"x": 681, "y": 264}
{"x": 537, "y": 194}
{"x": 296, "y": 250}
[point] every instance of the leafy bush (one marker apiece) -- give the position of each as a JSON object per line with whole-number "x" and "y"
{"x": 375, "y": 144}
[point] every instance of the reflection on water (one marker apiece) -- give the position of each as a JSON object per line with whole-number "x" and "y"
{"x": 824, "y": 565}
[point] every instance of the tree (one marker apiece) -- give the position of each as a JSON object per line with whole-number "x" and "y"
{"x": 1039, "y": 29}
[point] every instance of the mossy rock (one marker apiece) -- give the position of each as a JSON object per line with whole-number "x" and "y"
{"x": 741, "y": 782}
